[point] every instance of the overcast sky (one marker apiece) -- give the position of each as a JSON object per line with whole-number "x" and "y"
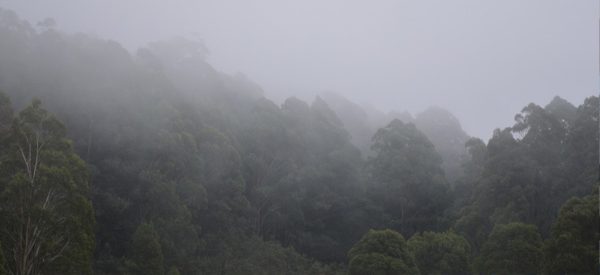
{"x": 482, "y": 60}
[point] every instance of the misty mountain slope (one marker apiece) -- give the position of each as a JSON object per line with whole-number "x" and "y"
{"x": 165, "y": 122}
{"x": 445, "y": 132}
{"x": 193, "y": 171}
{"x": 531, "y": 158}
{"x": 439, "y": 125}
{"x": 355, "y": 119}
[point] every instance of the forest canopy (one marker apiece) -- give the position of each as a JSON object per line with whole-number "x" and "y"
{"x": 154, "y": 162}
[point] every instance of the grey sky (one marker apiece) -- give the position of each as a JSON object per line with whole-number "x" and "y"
{"x": 483, "y": 60}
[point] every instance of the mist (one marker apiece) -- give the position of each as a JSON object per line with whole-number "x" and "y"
{"x": 283, "y": 137}
{"x": 481, "y": 60}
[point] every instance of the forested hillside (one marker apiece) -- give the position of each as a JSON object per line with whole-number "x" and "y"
{"x": 153, "y": 162}
{"x": 439, "y": 125}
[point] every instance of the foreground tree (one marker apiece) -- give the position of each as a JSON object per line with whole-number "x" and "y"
{"x": 513, "y": 248}
{"x": 382, "y": 252}
{"x": 573, "y": 245}
{"x": 441, "y": 253}
{"x": 47, "y": 218}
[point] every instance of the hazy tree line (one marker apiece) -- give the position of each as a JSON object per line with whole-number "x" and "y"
{"x": 156, "y": 163}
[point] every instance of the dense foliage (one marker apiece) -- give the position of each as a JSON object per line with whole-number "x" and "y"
{"x": 573, "y": 245}
{"x": 382, "y": 252}
{"x": 407, "y": 181}
{"x": 154, "y": 162}
{"x": 2, "y": 262}
{"x": 441, "y": 253}
{"x": 47, "y": 218}
{"x": 513, "y": 248}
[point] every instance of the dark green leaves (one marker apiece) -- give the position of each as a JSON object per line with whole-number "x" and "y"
{"x": 406, "y": 179}
{"x": 441, "y": 253}
{"x": 48, "y": 218}
{"x": 573, "y": 244}
{"x": 513, "y": 248}
{"x": 381, "y": 252}
{"x": 146, "y": 253}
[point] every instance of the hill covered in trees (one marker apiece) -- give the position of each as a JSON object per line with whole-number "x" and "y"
{"x": 154, "y": 162}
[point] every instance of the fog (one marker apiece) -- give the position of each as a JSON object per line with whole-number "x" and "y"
{"x": 482, "y": 60}
{"x": 293, "y": 137}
